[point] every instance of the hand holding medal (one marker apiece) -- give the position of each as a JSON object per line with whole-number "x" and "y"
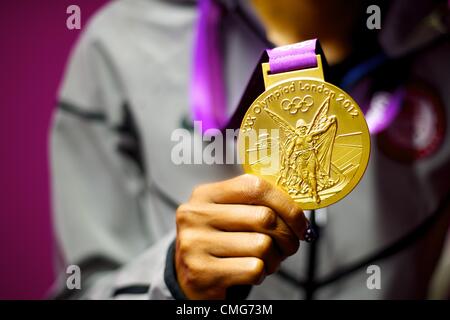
{"x": 305, "y": 144}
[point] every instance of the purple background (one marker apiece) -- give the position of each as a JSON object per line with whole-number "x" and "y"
{"x": 34, "y": 44}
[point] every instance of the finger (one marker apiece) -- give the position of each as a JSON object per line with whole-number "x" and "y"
{"x": 246, "y": 244}
{"x": 246, "y": 218}
{"x": 239, "y": 271}
{"x": 249, "y": 189}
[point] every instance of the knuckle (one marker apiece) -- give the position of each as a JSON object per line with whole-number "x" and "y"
{"x": 191, "y": 214}
{"x": 180, "y": 218}
{"x": 267, "y": 218}
{"x": 199, "y": 276}
{"x": 195, "y": 268}
{"x": 184, "y": 208}
{"x": 256, "y": 270}
{"x": 186, "y": 241}
{"x": 182, "y": 211}
{"x": 196, "y": 191}
{"x": 196, "y": 263}
{"x": 191, "y": 275}
{"x": 293, "y": 213}
{"x": 259, "y": 184}
{"x": 255, "y": 186}
{"x": 296, "y": 214}
{"x": 263, "y": 244}
{"x": 183, "y": 214}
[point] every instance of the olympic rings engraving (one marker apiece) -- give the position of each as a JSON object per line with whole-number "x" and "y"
{"x": 302, "y": 104}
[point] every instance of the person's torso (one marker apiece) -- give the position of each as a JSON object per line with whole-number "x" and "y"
{"x": 151, "y": 52}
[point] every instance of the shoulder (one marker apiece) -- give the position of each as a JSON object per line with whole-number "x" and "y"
{"x": 118, "y": 40}
{"x": 123, "y": 19}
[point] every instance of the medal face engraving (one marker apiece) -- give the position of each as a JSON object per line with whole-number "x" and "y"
{"x": 309, "y": 138}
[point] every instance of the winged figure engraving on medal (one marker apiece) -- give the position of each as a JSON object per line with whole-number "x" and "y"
{"x": 305, "y": 153}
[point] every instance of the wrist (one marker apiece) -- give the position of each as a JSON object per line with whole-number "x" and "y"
{"x": 170, "y": 274}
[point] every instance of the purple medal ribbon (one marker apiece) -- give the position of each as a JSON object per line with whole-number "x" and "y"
{"x": 296, "y": 56}
{"x": 207, "y": 93}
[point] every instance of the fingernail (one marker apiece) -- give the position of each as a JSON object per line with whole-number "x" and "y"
{"x": 310, "y": 235}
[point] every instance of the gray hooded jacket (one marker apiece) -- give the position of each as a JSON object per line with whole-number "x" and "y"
{"x": 115, "y": 188}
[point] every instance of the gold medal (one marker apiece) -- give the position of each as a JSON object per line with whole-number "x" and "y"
{"x": 306, "y": 136}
